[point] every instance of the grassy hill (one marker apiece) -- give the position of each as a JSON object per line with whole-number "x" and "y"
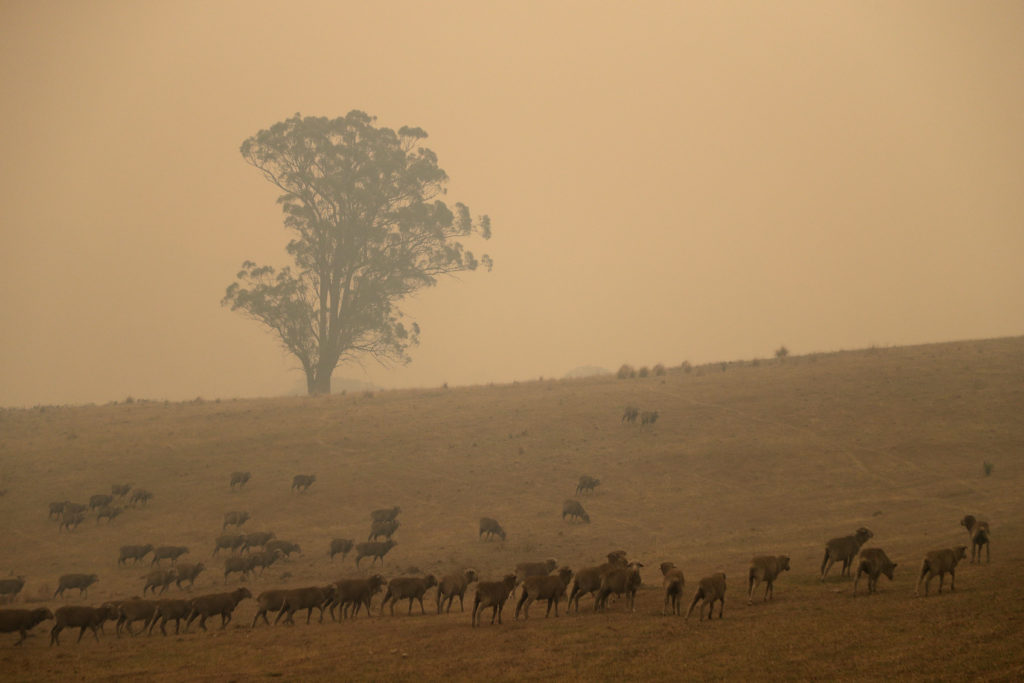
{"x": 747, "y": 458}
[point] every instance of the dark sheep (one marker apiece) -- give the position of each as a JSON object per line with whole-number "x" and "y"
{"x": 167, "y": 610}
{"x": 355, "y": 593}
{"x": 236, "y": 519}
{"x": 77, "y": 616}
{"x": 452, "y": 586}
{"x": 22, "y": 620}
{"x": 385, "y": 514}
{"x": 620, "y": 581}
{"x": 490, "y": 528}
{"x": 242, "y": 565}
{"x": 240, "y": 479}
{"x": 341, "y": 545}
{"x": 9, "y": 588}
{"x": 844, "y": 549}
{"x": 374, "y": 550}
{"x": 492, "y": 594}
{"x": 586, "y": 484}
{"x": 302, "y": 482}
{"x": 120, "y": 490}
{"x": 228, "y": 542}
{"x": 525, "y": 570}
{"x": 408, "y": 587}
{"x": 765, "y": 568}
{"x": 188, "y": 571}
{"x": 140, "y": 496}
{"x": 264, "y": 559}
{"x": 79, "y": 581}
{"x": 383, "y": 529}
{"x": 574, "y": 510}
{"x": 673, "y": 582}
{"x": 108, "y": 513}
{"x": 71, "y": 520}
{"x": 940, "y": 562}
{"x": 73, "y": 508}
{"x": 710, "y": 590}
{"x": 551, "y": 588}
{"x": 286, "y": 548}
{"x": 873, "y": 562}
{"x": 979, "y": 533}
{"x": 648, "y": 417}
{"x": 224, "y": 604}
{"x": 135, "y": 609}
{"x": 57, "y": 509}
{"x": 134, "y": 553}
{"x": 268, "y": 601}
{"x": 100, "y": 500}
{"x": 588, "y": 580}
{"x": 159, "y": 577}
{"x": 309, "y": 598}
{"x": 168, "y": 552}
{"x": 257, "y": 539}
{"x": 630, "y": 414}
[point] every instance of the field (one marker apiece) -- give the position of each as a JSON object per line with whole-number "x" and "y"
{"x": 768, "y": 457}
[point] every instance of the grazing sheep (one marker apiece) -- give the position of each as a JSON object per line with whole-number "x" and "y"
{"x": 302, "y": 482}
{"x": 228, "y": 542}
{"x": 242, "y": 565}
{"x": 341, "y": 545}
{"x": 140, "y": 496}
{"x": 385, "y": 529}
{"x": 77, "y": 616}
{"x": 120, "y": 490}
{"x": 168, "y": 552}
{"x": 979, "y": 533}
{"x": 236, "y": 519}
{"x": 134, "y": 553}
{"x": 224, "y": 604}
{"x": 108, "y": 512}
{"x": 188, "y": 571}
{"x": 620, "y": 580}
{"x": 373, "y": 550}
{"x": 873, "y": 562}
{"x": 385, "y": 514}
{"x": 309, "y": 598}
{"x": 940, "y": 562}
{"x": 844, "y": 548}
{"x": 551, "y": 588}
{"x": 354, "y": 593}
{"x": 9, "y": 588}
{"x": 765, "y": 568}
{"x": 586, "y": 484}
{"x": 21, "y": 620}
{"x": 100, "y": 500}
{"x": 491, "y": 528}
{"x": 269, "y": 601}
{"x": 167, "y": 610}
{"x": 452, "y": 585}
{"x": 630, "y": 414}
{"x": 133, "y": 610}
{"x": 57, "y": 509}
{"x": 648, "y": 417}
{"x": 71, "y": 521}
{"x": 240, "y": 479}
{"x": 257, "y": 539}
{"x": 574, "y": 510}
{"x": 588, "y": 580}
{"x": 286, "y": 548}
{"x": 407, "y": 587}
{"x": 79, "y": 581}
{"x": 673, "y": 581}
{"x": 492, "y": 594}
{"x": 710, "y": 589}
{"x": 159, "y": 577}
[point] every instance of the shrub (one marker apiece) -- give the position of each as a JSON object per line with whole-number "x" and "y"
{"x": 658, "y": 370}
{"x": 643, "y": 372}
{"x": 781, "y": 353}
{"x": 988, "y": 468}
{"x": 626, "y": 371}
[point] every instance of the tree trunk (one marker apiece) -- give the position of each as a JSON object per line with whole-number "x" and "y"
{"x": 320, "y": 384}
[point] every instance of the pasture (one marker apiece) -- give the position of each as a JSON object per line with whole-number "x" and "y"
{"x": 745, "y": 459}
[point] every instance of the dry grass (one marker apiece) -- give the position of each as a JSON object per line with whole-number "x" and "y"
{"x": 766, "y": 459}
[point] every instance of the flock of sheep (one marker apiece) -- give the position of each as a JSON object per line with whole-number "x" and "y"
{"x": 546, "y": 581}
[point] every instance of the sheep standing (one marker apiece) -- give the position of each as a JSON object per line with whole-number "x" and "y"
{"x": 551, "y": 588}
{"x": 979, "y": 533}
{"x": 168, "y": 552}
{"x": 239, "y": 479}
{"x": 586, "y": 484}
{"x": 9, "y": 588}
{"x": 130, "y": 611}
{"x": 673, "y": 582}
{"x": 235, "y": 519}
{"x": 452, "y": 585}
{"x": 492, "y": 594}
{"x": 22, "y": 620}
{"x": 108, "y": 513}
{"x": 844, "y": 549}
{"x": 302, "y": 482}
{"x": 341, "y": 545}
{"x": 286, "y": 548}
{"x": 385, "y": 514}
{"x": 355, "y": 593}
{"x": 100, "y": 500}
{"x": 140, "y": 496}
{"x": 765, "y": 568}
{"x": 188, "y": 571}
{"x": 710, "y": 590}
{"x": 588, "y": 580}
{"x": 77, "y": 616}
{"x": 133, "y": 553}
{"x": 269, "y": 601}
{"x": 383, "y": 529}
{"x": 228, "y": 542}
{"x": 940, "y": 562}
{"x": 407, "y": 587}
{"x": 620, "y": 580}
{"x": 309, "y": 598}
{"x": 873, "y": 562}
{"x": 79, "y": 581}
{"x": 167, "y": 610}
{"x": 257, "y": 539}
{"x": 120, "y": 490}
{"x": 223, "y": 604}
{"x": 574, "y": 510}
{"x": 159, "y": 577}
{"x": 489, "y": 528}
{"x": 374, "y": 550}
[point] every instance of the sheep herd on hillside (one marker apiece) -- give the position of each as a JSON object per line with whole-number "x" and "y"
{"x": 545, "y": 580}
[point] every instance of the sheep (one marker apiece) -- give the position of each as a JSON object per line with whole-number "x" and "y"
{"x": 765, "y": 568}
{"x": 79, "y": 581}
{"x": 551, "y": 588}
{"x": 286, "y": 548}
{"x": 873, "y": 562}
{"x": 240, "y": 479}
{"x": 268, "y": 601}
{"x": 77, "y": 616}
{"x": 710, "y": 589}
{"x": 573, "y": 509}
{"x": 979, "y": 533}
{"x": 140, "y": 496}
{"x": 620, "y": 580}
{"x": 242, "y": 565}
{"x": 524, "y": 570}
{"x": 134, "y": 553}
{"x": 373, "y": 550}
{"x": 216, "y": 603}
{"x": 188, "y": 571}
{"x": 673, "y": 582}
{"x": 844, "y": 548}
{"x": 452, "y": 585}
{"x": 302, "y": 482}
{"x": 586, "y": 484}
{"x": 648, "y": 417}
{"x": 256, "y": 539}
{"x": 169, "y": 552}
{"x": 492, "y": 594}
{"x": 355, "y": 592}
{"x": 385, "y": 514}
{"x": 940, "y": 562}
{"x": 385, "y": 529}
{"x": 21, "y": 620}
{"x": 107, "y": 512}
{"x": 228, "y": 542}
{"x": 73, "y": 508}
{"x": 133, "y": 610}
{"x": 306, "y": 598}
{"x": 588, "y": 580}
{"x": 120, "y": 490}
{"x": 407, "y": 587}
{"x": 630, "y": 414}
{"x": 341, "y": 545}
{"x": 491, "y": 528}
{"x": 57, "y": 509}
{"x": 264, "y": 559}
{"x": 236, "y": 519}
{"x": 159, "y": 577}
{"x": 100, "y": 500}
{"x": 9, "y": 588}
{"x": 167, "y": 610}
{"x": 70, "y": 521}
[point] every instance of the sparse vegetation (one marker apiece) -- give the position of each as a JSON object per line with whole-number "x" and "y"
{"x": 626, "y": 371}
{"x": 988, "y": 467}
{"x": 643, "y": 372}
{"x": 781, "y": 353}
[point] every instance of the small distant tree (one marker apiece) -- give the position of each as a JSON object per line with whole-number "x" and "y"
{"x": 626, "y": 371}
{"x": 658, "y": 370}
{"x": 367, "y": 231}
{"x": 781, "y": 353}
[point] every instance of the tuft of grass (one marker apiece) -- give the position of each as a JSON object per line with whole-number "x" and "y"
{"x": 988, "y": 467}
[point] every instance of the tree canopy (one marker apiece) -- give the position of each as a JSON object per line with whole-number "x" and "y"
{"x": 368, "y": 230}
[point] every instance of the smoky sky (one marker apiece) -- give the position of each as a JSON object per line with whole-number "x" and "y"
{"x": 667, "y": 181}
